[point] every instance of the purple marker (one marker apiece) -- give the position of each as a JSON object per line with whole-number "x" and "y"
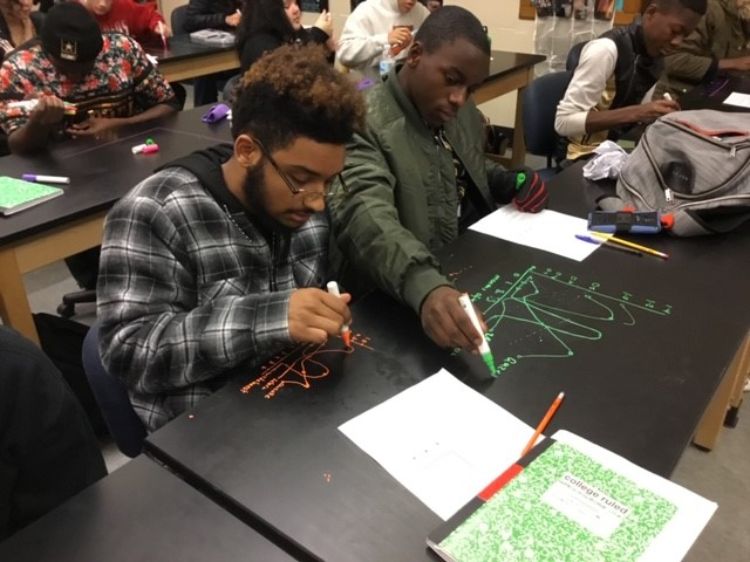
{"x": 45, "y": 179}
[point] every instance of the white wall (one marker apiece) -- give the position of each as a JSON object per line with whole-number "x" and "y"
{"x": 500, "y": 16}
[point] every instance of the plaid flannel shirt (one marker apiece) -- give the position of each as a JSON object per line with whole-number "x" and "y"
{"x": 189, "y": 293}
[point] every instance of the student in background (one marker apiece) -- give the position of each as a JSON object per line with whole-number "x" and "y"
{"x": 718, "y": 45}
{"x": 418, "y": 175}
{"x": 216, "y": 262}
{"x": 616, "y": 71}
{"x": 108, "y": 78}
{"x": 212, "y": 14}
{"x": 268, "y": 24}
{"x": 48, "y": 451}
{"x": 18, "y": 24}
{"x": 375, "y": 25}
{"x": 141, "y": 21}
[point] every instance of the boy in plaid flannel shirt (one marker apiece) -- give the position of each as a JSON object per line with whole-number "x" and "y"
{"x": 215, "y": 262}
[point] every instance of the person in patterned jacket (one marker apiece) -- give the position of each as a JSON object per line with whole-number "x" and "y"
{"x": 216, "y": 262}
{"x": 86, "y": 83}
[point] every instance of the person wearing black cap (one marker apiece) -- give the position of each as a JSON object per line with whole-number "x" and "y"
{"x": 106, "y": 80}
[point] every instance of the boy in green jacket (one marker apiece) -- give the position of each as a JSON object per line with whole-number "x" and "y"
{"x": 418, "y": 176}
{"x": 718, "y": 44}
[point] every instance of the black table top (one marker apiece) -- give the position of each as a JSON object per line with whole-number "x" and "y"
{"x": 181, "y": 47}
{"x": 140, "y": 512}
{"x": 713, "y": 94}
{"x": 102, "y": 171}
{"x": 638, "y": 344}
{"x": 504, "y": 61}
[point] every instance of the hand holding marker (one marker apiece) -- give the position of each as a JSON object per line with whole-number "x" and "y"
{"x": 346, "y": 333}
{"x": 484, "y": 348}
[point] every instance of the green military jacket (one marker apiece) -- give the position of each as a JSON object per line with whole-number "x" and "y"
{"x": 402, "y": 204}
{"x": 719, "y": 35}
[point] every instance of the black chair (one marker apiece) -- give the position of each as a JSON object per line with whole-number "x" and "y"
{"x": 124, "y": 425}
{"x": 178, "y": 19}
{"x": 540, "y": 101}
{"x": 84, "y": 267}
{"x": 230, "y": 89}
{"x": 67, "y": 308}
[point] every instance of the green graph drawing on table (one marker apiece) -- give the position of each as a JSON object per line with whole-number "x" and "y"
{"x": 552, "y": 312}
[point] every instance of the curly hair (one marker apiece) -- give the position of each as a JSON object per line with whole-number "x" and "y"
{"x": 293, "y": 91}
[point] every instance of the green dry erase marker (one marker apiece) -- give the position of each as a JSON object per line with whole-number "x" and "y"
{"x": 484, "y": 348}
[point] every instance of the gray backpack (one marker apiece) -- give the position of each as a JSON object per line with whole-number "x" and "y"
{"x": 694, "y": 165}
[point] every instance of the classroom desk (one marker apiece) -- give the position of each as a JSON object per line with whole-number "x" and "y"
{"x": 713, "y": 94}
{"x": 509, "y": 72}
{"x": 639, "y": 345}
{"x": 184, "y": 59}
{"x": 101, "y": 172}
{"x": 139, "y": 512}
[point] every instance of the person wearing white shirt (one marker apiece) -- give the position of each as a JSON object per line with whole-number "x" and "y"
{"x": 617, "y": 70}
{"x": 374, "y": 24}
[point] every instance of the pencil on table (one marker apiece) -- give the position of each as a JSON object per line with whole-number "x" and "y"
{"x": 544, "y": 423}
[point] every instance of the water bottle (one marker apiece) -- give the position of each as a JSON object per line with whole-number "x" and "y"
{"x": 386, "y": 61}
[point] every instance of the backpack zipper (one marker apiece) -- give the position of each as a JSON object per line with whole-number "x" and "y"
{"x": 689, "y": 204}
{"x": 726, "y": 146}
{"x": 669, "y": 193}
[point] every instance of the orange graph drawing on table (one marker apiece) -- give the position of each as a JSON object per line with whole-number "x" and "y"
{"x": 300, "y": 366}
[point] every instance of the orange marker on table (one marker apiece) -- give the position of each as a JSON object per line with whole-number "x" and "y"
{"x": 346, "y": 333}
{"x": 544, "y": 423}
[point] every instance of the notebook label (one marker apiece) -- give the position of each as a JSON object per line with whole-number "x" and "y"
{"x": 586, "y": 505}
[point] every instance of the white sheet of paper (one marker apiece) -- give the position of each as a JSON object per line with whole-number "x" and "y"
{"x": 440, "y": 439}
{"x": 693, "y": 511}
{"x": 738, "y": 99}
{"x": 548, "y": 230}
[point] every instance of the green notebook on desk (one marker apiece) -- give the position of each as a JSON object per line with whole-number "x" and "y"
{"x": 560, "y": 503}
{"x": 17, "y": 195}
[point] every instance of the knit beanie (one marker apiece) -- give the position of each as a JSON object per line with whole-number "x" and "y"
{"x": 70, "y": 33}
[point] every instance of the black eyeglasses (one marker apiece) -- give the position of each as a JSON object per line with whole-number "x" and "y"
{"x": 293, "y": 187}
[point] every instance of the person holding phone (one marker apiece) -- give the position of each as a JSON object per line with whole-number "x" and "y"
{"x": 266, "y": 25}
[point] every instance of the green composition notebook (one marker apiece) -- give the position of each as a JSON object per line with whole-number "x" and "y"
{"x": 560, "y": 504}
{"x": 17, "y": 195}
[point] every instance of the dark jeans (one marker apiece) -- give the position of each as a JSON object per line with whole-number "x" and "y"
{"x": 48, "y": 451}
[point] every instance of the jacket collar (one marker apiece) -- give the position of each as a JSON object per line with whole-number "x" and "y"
{"x": 408, "y": 108}
{"x": 393, "y": 85}
{"x": 639, "y": 42}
